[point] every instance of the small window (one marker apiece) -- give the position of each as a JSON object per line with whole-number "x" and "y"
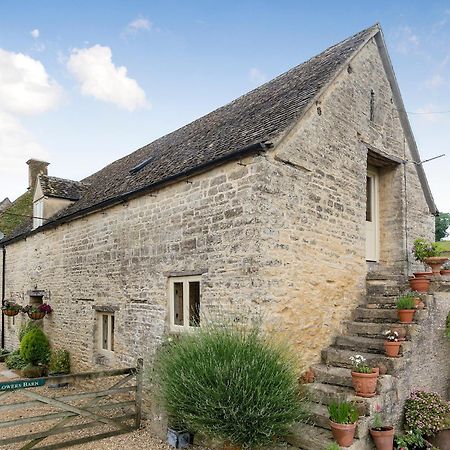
{"x": 184, "y": 302}
{"x": 38, "y": 213}
{"x": 106, "y": 331}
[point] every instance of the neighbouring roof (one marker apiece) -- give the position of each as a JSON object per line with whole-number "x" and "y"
{"x": 15, "y": 219}
{"x": 6, "y": 203}
{"x": 262, "y": 115}
{"x": 61, "y": 188}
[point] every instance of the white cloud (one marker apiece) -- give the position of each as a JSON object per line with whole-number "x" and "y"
{"x": 34, "y": 33}
{"x": 101, "y": 79}
{"x": 138, "y": 24}
{"x": 435, "y": 81}
{"x": 407, "y": 40}
{"x": 25, "y": 87}
{"x": 256, "y": 76}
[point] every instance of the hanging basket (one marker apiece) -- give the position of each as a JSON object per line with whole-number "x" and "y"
{"x": 36, "y": 315}
{"x": 10, "y": 312}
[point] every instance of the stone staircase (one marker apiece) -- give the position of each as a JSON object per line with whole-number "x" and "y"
{"x": 332, "y": 378}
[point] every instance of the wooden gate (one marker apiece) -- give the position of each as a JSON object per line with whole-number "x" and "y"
{"x": 116, "y": 408}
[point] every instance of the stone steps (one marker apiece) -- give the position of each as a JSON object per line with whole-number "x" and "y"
{"x": 374, "y": 330}
{"x": 375, "y": 315}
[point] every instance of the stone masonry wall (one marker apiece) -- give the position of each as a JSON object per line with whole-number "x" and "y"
{"x": 315, "y": 202}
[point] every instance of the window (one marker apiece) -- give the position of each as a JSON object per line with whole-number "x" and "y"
{"x": 106, "y": 331}
{"x": 184, "y": 302}
{"x": 38, "y": 213}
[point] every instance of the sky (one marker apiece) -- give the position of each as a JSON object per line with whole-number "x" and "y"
{"x": 83, "y": 83}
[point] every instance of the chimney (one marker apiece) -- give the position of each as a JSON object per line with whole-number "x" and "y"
{"x": 35, "y": 168}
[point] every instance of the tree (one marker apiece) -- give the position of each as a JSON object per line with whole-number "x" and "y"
{"x": 442, "y": 222}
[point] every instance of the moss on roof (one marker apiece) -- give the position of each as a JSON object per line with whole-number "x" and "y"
{"x": 12, "y": 217}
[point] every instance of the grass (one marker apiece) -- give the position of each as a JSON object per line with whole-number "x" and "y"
{"x": 443, "y": 246}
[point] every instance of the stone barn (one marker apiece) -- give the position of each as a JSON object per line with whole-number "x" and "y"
{"x": 281, "y": 204}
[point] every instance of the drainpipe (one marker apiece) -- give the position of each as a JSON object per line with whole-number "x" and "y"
{"x": 3, "y": 293}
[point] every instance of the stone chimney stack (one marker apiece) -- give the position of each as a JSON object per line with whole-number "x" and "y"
{"x": 35, "y": 168}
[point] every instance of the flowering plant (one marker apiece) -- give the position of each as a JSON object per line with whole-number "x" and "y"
{"x": 423, "y": 249}
{"x": 377, "y": 420}
{"x": 11, "y": 306}
{"x": 359, "y": 364}
{"x": 391, "y": 336}
{"x": 44, "y": 308}
{"x": 426, "y": 412}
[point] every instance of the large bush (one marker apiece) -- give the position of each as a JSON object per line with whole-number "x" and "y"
{"x": 229, "y": 384}
{"x": 26, "y": 327}
{"x": 34, "y": 347}
{"x": 426, "y": 412}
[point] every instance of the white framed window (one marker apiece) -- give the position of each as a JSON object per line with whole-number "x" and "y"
{"x": 184, "y": 302}
{"x": 106, "y": 331}
{"x": 38, "y": 213}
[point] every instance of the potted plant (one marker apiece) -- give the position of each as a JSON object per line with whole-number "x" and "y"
{"x": 382, "y": 435}
{"x": 364, "y": 377}
{"x": 419, "y": 284}
{"x": 400, "y": 330}
{"x": 421, "y": 250}
{"x": 406, "y": 308}
{"x": 59, "y": 365}
{"x": 391, "y": 343}
{"x": 446, "y": 269}
{"x": 10, "y": 308}
{"x": 343, "y": 418}
{"x": 37, "y": 312}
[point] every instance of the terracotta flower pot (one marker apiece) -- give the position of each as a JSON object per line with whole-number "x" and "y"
{"x": 36, "y": 315}
{"x": 419, "y": 284}
{"x": 401, "y": 330}
{"x": 423, "y": 274}
{"x": 418, "y": 303}
{"x": 441, "y": 440}
{"x": 406, "y": 315}
{"x": 10, "y": 312}
{"x": 343, "y": 433}
{"x": 445, "y": 272}
{"x": 384, "y": 438}
{"x": 365, "y": 384}
{"x": 435, "y": 262}
{"x": 392, "y": 348}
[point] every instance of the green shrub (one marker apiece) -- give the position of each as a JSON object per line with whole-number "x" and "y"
{"x": 59, "y": 361}
{"x": 14, "y": 361}
{"x": 406, "y": 302}
{"x": 229, "y": 384}
{"x": 35, "y": 348}
{"x": 343, "y": 412}
{"x": 426, "y": 412}
{"x": 412, "y": 440}
{"x": 423, "y": 249}
{"x": 25, "y": 328}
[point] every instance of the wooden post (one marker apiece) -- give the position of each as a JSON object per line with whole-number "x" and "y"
{"x": 139, "y": 380}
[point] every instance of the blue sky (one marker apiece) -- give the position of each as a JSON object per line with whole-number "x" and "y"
{"x": 83, "y": 83}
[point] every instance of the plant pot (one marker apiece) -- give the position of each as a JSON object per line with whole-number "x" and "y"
{"x": 179, "y": 439}
{"x": 423, "y": 274}
{"x": 419, "y": 284}
{"x": 54, "y": 385}
{"x": 445, "y": 272}
{"x": 36, "y": 315}
{"x": 343, "y": 433}
{"x": 406, "y": 315}
{"x": 392, "y": 348}
{"x": 10, "y": 312}
{"x": 435, "y": 262}
{"x": 441, "y": 440}
{"x": 365, "y": 384}
{"x": 384, "y": 438}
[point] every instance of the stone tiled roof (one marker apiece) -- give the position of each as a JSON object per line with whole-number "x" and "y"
{"x": 6, "y": 203}
{"x": 263, "y": 114}
{"x": 61, "y": 188}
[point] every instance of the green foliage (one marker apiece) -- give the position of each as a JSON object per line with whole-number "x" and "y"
{"x": 343, "y": 412}
{"x": 333, "y": 446}
{"x": 406, "y": 302}
{"x": 25, "y": 328}
{"x": 426, "y": 412}
{"x": 229, "y": 384}
{"x": 423, "y": 249}
{"x": 412, "y": 440}
{"x": 23, "y": 206}
{"x": 35, "y": 348}
{"x": 15, "y": 362}
{"x": 442, "y": 223}
{"x": 60, "y": 361}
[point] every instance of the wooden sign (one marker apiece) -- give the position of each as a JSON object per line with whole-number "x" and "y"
{"x": 21, "y": 384}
